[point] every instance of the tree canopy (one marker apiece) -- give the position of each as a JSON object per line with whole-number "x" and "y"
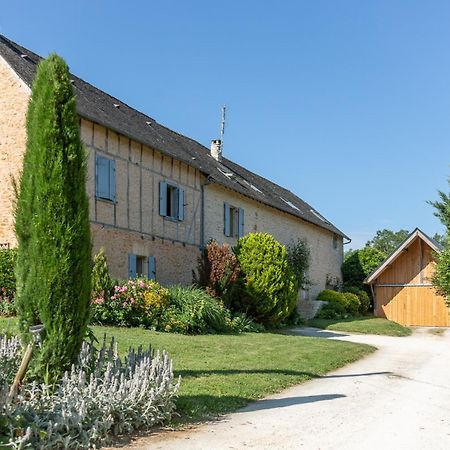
{"x": 386, "y": 241}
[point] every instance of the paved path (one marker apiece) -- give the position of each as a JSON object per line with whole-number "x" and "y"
{"x": 397, "y": 398}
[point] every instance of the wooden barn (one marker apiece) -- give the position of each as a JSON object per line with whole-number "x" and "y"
{"x": 402, "y": 288}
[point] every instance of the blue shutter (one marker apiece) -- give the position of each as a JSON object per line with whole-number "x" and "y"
{"x": 241, "y": 223}
{"x": 180, "y": 204}
{"x": 132, "y": 265}
{"x": 163, "y": 198}
{"x": 101, "y": 177}
{"x": 112, "y": 180}
{"x": 226, "y": 219}
{"x": 151, "y": 268}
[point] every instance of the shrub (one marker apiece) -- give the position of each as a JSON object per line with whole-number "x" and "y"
{"x": 218, "y": 271}
{"x": 340, "y": 305}
{"x": 102, "y": 284}
{"x": 53, "y": 266}
{"x": 332, "y": 310}
{"x": 128, "y": 307}
{"x": 299, "y": 258}
{"x": 7, "y": 276}
{"x": 156, "y": 303}
{"x": 100, "y": 396}
{"x": 269, "y": 286}
{"x": 352, "y": 303}
{"x": 331, "y": 296}
{"x": 194, "y": 311}
{"x": 364, "y": 299}
{"x": 241, "y": 323}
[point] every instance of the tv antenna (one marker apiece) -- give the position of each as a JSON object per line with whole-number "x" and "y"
{"x": 222, "y": 123}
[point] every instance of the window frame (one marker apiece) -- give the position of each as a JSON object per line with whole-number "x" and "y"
{"x": 109, "y": 166}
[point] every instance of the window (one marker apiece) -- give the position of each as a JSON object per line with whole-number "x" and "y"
{"x": 171, "y": 201}
{"x": 233, "y": 221}
{"x": 141, "y": 266}
{"x": 335, "y": 241}
{"x": 105, "y": 178}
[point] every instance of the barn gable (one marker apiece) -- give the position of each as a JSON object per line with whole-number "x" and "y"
{"x": 402, "y": 287}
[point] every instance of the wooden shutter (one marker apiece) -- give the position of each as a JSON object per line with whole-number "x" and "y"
{"x": 163, "y": 198}
{"x": 151, "y": 268}
{"x": 241, "y": 223}
{"x": 102, "y": 177}
{"x": 132, "y": 265}
{"x": 180, "y": 204}
{"x": 226, "y": 219}
{"x": 112, "y": 180}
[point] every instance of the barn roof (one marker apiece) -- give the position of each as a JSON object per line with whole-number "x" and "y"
{"x": 416, "y": 234}
{"x": 100, "y": 107}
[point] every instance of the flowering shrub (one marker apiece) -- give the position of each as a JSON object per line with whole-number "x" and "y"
{"x": 179, "y": 309}
{"x": 127, "y": 305}
{"x": 100, "y": 396}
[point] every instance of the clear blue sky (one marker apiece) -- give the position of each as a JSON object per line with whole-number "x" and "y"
{"x": 346, "y": 103}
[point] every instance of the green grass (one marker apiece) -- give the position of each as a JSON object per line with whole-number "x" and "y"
{"x": 221, "y": 373}
{"x": 363, "y": 325}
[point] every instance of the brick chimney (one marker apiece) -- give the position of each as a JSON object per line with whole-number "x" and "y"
{"x": 216, "y": 149}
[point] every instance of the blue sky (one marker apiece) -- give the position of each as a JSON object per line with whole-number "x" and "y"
{"x": 345, "y": 103}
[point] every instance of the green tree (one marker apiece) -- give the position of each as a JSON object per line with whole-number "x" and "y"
{"x": 101, "y": 281}
{"x": 358, "y": 264}
{"x": 53, "y": 266}
{"x": 386, "y": 241}
{"x": 441, "y": 277}
{"x": 440, "y": 239}
{"x": 270, "y": 286}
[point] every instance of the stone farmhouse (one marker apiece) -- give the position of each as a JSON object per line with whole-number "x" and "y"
{"x": 156, "y": 197}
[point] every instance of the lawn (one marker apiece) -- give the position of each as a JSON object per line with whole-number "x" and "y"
{"x": 364, "y": 325}
{"x": 221, "y": 373}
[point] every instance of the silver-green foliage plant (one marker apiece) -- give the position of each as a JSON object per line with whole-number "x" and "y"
{"x": 102, "y": 395}
{"x": 9, "y": 359}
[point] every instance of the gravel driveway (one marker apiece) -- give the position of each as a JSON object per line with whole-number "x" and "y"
{"x": 397, "y": 398}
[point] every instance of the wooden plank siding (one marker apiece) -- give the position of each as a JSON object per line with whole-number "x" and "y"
{"x": 403, "y": 291}
{"x": 417, "y": 305}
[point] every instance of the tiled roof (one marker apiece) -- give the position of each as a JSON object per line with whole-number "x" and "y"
{"x": 100, "y": 107}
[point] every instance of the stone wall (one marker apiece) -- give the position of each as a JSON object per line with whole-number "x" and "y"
{"x": 132, "y": 224}
{"x": 174, "y": 261}
{"x": 14, "y": 95}
{"x": 326, "y": 254}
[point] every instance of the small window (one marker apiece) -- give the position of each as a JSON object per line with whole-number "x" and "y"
{"x": 105, "y": 178}
{"x": 335, "y": 241}
{"x": 141, "y": 266}
{"x": 171, "y": 201}
{"x": 233, "y": 221}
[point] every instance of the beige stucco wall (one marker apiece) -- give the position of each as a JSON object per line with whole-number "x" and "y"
{"x": 14, "y": 95}
{"x": 326, "y": 260}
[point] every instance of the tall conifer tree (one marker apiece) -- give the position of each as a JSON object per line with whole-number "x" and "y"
{"x": 52, "y": 222}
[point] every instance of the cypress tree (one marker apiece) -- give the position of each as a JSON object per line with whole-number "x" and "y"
{"x": 53, "y": 266}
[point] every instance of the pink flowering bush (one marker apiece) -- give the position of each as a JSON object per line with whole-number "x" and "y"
{"x": 126, "y": 306}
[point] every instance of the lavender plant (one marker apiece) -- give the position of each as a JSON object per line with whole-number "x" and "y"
{"x": 101, "y": 396}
